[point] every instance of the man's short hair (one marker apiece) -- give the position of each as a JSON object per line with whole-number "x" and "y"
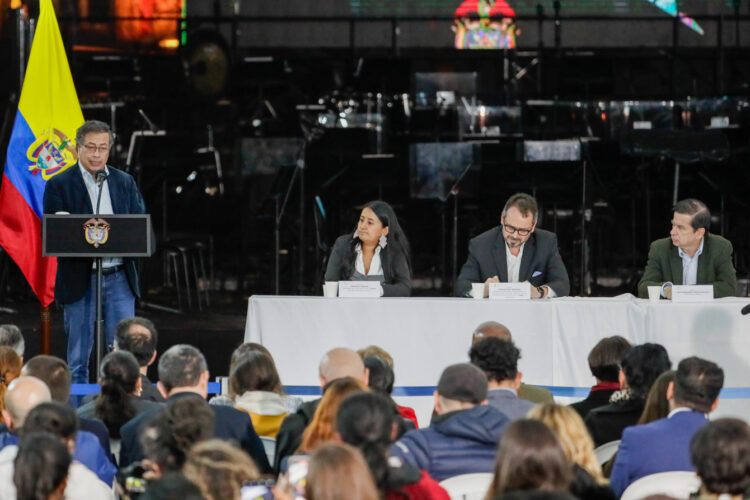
{"x": 463, "y": 382}
{"x": 378, "y": 352}
{"x": 140, "y": 344}
{"x": 93, "y": 127}
{"x": 700, "y": 212}
{"x": 54, "y": 417}
{"x": 605, "y": 357}
{"x": 720, "y": 452}
{"x": 181, "y": 366}
{"x": 54, "y": 372}
{"x": 11, "y": 336}
{"x": 498, "y": 359}
{"x": 525, "y": 203}
{"x": 697, "y": 383}
{"x": 642, "y": 365}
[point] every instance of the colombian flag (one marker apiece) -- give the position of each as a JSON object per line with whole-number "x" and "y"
{"x": 40, "y": 147}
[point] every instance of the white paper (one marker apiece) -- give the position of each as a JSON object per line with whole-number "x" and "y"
{"x": 510, "y": 291}
{"x": 692, "y": 293}
{"x": 641, "y": 125}
{"x": 359, "y": 289}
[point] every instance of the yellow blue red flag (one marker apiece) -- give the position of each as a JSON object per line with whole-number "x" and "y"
{"x": 40, "y": 147}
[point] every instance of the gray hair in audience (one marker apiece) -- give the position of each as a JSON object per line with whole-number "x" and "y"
{"x": 11, "y": 336}
{"x": 181, "y": 366}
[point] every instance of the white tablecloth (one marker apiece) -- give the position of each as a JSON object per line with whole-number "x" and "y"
{"x": 424, "y": 335}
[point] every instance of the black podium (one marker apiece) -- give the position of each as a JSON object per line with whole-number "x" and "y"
{"x": 97, "y": 237}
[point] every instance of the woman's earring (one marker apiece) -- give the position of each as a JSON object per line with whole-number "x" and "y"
{"x": 383, "y": 241}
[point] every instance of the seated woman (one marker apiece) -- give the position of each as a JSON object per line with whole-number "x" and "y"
{"x": 258, "y": 390}
{"x": 377, "y": 251}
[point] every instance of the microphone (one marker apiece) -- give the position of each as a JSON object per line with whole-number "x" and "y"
{"x": 150, "y": 124}
{"x": 101, "y": 176}
{"x": 746, "y": 310}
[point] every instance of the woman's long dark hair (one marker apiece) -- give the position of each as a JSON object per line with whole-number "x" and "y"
{"x": 397, "y": 241}
{"x": 365, "y": 420}
{"x": 118, "y": 376}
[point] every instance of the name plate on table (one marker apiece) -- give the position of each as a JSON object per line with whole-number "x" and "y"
{"x": 510, "y": 291}
{"x": 692, "y": 293}
{"x": 359, "y": 289}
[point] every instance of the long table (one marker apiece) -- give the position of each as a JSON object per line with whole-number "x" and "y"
{"x": 424, "y": 335}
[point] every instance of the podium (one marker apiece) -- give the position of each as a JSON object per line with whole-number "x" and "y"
{"x": 98, "y": 237}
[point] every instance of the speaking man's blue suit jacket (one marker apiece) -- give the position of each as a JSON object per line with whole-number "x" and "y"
{"x": 660, "y": 446}
{"x": 66, "y": 192}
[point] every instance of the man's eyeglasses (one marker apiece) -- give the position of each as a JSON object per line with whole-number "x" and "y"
{"x": 512, "y": 229}
{"x": 92, "y": 148}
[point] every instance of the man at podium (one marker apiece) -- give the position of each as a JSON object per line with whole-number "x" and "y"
{"x": 76, "y": 191}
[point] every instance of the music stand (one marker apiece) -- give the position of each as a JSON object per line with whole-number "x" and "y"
{"x": 97, "y": 237}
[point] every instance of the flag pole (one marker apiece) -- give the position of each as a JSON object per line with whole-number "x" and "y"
{"x": 45, "y": 328}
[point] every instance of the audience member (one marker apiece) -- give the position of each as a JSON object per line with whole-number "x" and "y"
{"x": 604, "y": 363}
{"x": 54, "y": 372}
{"x": 10, "y": 369}
{"x": 183, "y": 373}
{"x": 118, "y": 400}
{"x": 641, "y": 366}
{"x": 169, "y": 435}
{"x": 463, "y": 437}
{"x": 568, "y": 427}
{"x": 497, "y": 330}
{"x": 720, "y": 452}
{"x": 41, "y": 468}
{"x": 24, "y": 394}
{"x": 139, "y": 337}
{"x": 337, "y": 471}
{"x": 381, "y": 380}
{"x": 257, "y": 386}
{"x": 171, "y": 486}
{"x": 219, "y": 469}
{"x": 498, "y": 359}
{"x": 366, "y": 421}
{"x": 60, "y": 421}
{"x": 657, "y": 404}
{"x": 336, "y": 363}
{"x": 11, "y": 336}
{"x": 529, "y": 458}
{"x": 322, "y": 428}
{"x": 387, "y": 379}
{"x": 664, "y": 445}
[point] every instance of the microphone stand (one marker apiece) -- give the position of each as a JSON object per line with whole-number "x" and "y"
{"x": 101, "y": 177}
{"x": 454, "y": 191}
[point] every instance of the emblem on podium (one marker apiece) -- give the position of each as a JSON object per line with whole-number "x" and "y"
{"x": 96, "y": 232}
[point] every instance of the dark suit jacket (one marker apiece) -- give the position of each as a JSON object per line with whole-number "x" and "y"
{"x": 150, "y": 392}
{"x": 595, "y": 399}
{"x": 540, "y": 255}
{"x": 229, "y": 424}
{"x": 289, "y": 437}
{"x": 714, "y": 266}
{"x": 606, "y": 423}
{"x": 659, "y": 446}
{"x": 67, "y": 192}
{"x": 396, "y": 273}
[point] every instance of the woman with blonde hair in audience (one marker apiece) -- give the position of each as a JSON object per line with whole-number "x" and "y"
{"x": 571, "y": 433}
{"x": 529, "y": 457}
{"x": 10, "y": 368}
{"x": 337, "y": 471}
{"x": 257, "y": 386}
{"x": 322, "y": 428}
{"x": 219, "y": 469}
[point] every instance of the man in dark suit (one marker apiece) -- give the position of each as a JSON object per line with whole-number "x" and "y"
{"x": 139, "y": 337}
{"x": 691, "y": 255}
{"x": 76, "y": 191}
{"x": 183, "y": 373}
{"x": 515, "y": 251}
{"x": 664, "y": 445}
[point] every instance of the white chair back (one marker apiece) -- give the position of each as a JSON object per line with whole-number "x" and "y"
{"x": 606, "y": 451}
{"x": 467, "y": 486}
{"x": 677, "y": 484}
{"x": 269, "y": 444}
